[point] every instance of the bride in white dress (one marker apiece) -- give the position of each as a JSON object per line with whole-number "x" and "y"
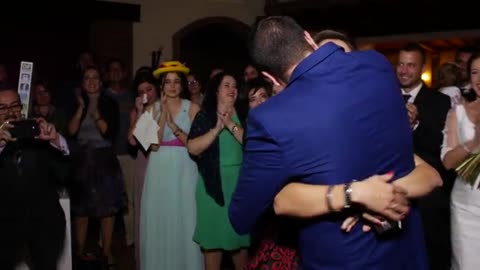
{"x": 461, "y": 139}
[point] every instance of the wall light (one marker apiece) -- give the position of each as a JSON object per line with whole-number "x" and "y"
{"x": 426, "y": 77}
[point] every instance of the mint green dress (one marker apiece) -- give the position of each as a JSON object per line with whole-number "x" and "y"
{"x": 213, "y": 229}
{"x": 168, "y": 215}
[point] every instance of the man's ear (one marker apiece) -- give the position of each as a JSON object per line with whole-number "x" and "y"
{"x": 271, "y": 78}
{"x": 310, "y": 40}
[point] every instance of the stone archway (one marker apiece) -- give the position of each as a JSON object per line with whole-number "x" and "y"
{"x": 212, "y": 42}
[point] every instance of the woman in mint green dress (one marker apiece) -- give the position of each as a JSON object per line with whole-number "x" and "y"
{"x": 168, "y": 214}
{"x": 215, "y": 144}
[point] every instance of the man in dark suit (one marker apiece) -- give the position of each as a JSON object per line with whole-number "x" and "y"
{"x": 32, "y": 222}
{"x": 432, "y": 107}
{"x": 346, "y": 120}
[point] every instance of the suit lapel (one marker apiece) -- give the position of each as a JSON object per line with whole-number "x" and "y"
{"x": 422, "y": 94}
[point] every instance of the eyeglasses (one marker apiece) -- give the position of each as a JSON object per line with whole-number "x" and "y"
{"x": 192, "y": 82}
{"x": 13, "y": 108}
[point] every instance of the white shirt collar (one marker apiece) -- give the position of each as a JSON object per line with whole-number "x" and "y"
{"x": 413, "y": 93}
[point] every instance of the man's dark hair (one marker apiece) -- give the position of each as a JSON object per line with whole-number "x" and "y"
{"x": 277, "y": 43}
{"x": 256, "y": 84}
{"x": 332, "y": 34}
{"x": 466, "y": 49}
{"x": 5, "y": 86}
{"x": 415, "y": 47}
{"x": 113, "y": 61}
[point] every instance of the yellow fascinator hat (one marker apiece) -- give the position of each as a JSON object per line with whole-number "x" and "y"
{"x": 170, "y": 66}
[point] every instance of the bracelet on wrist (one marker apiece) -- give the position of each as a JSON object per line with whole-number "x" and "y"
{"x": 234, "y": 129}
{"x": 328, "y": 198}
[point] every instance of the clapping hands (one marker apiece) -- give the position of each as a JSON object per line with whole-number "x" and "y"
{"x": 225, "y": 117}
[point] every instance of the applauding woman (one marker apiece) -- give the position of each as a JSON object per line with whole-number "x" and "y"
{"x": 215, "y": 143}
{"x": 167, "y": 216}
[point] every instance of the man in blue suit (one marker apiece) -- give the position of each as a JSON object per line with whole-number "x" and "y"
{"x": 341, "y": 117}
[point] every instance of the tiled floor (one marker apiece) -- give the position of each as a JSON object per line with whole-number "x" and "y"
{"x": 124, "y": 255}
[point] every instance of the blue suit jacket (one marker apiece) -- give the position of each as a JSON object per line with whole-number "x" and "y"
{"x": 342, "y": 117}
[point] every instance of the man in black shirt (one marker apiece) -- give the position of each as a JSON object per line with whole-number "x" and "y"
{"x": 32, "y": 222}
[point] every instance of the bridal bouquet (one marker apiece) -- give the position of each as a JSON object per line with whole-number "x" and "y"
{"x": 469, "y": 169}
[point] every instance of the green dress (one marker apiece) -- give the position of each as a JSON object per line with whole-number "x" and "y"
{"x": 213, "y": 229}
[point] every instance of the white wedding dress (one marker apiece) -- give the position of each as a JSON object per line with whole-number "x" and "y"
{"x": 465, "y": 200}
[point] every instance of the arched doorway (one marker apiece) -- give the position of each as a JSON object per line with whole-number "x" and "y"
{"x": 213, "y": 42}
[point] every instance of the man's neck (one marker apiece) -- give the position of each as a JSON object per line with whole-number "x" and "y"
{"x": 409, "y": 89}
{"x": 289, "y": 72}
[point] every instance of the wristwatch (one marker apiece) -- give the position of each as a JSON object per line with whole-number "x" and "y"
{"x": 348, "y": 194}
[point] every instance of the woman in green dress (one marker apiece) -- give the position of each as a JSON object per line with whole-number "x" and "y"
{"x": 214, "y": 142}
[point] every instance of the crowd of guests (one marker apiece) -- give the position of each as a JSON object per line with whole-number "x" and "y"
{"x": 175, "y": 194}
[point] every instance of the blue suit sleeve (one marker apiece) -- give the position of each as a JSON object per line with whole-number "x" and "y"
{"x": 262, "y": 176}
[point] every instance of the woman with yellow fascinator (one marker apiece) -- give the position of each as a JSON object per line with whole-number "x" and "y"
{"x": 168, "y": 218}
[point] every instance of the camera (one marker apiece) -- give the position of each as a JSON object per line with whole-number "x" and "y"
{"x": 24, "y": 129}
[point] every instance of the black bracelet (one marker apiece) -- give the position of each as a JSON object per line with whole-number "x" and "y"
{"x": 328, "y": 198}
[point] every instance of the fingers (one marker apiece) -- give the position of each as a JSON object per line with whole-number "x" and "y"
{"x": 411, "y": 108}
{"x": 372, "y": 218}
{"x": 42, "y": 124}
{"x": 385, "y": 177}
{"x": 138, "y": 101}
{"x": 392, "y": 215}
{"x": 348, "y": 223}
{"x": 47, "y": 130}
{"x": 366, "y": 228}
{"x": 352, "y": 224}
{"x": 396, "y": 211}
{"x": 222, "y": 116}
{"x": 309, "y": 40}
{"x": 5, "y": 135}
{"x": 400, "y": 190}
{"x": 400, "y": 206}
{"x": 6, "y": 125}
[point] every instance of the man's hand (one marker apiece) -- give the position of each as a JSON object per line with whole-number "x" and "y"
{"x": 5, "y": 136}
{"x": 47, "y": 132}
{"x": 412, "y": 114}
{"x": 379, "y": 196}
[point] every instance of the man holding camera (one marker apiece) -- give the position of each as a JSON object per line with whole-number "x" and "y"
{"x": 32, "y": 223}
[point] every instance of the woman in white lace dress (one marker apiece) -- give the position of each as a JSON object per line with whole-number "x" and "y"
{"x": 461, "y": 139}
